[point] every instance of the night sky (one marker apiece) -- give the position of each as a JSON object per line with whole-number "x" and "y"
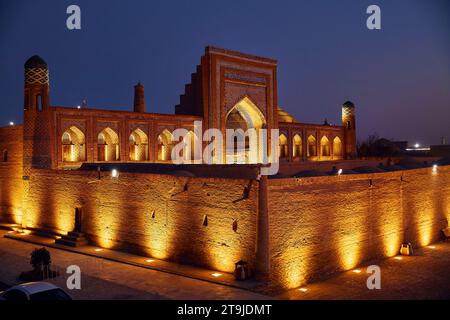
{"x": 398, "y": 77}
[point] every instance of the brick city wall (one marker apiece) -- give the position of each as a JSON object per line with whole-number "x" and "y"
{"x": 11, "y": 192}
{"x": 156, "y": 215}
{"x": 322, "y": 225}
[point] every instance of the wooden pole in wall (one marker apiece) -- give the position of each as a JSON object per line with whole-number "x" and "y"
{"x": 262, "y": 233}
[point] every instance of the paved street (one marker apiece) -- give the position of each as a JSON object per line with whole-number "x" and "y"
{"x": 426, "y": 275}
{"x": 103, "y": 279}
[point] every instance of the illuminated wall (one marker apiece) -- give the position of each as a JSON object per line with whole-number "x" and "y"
{"x": 322, "y": 225}
{"x": 154, "y": 215}
{"x": 11, "y": 151}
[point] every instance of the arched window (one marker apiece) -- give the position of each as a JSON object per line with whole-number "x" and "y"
{"x": 324, "y": 147}
{"x": 337, "y": 147}
{"x": 297, "y": 146}
{"x": 165, "y": 145}
{"x": 283, "y": 145}
{"x": 138, "y": 145}
{"x": 39, "y": 102}
{"x": 108, "y": 145}
{"x": 312, "y": 149}
{"x": 73, "y": 145}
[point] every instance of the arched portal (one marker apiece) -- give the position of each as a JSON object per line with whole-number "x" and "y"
{"x": 243, "y": 116}
{"x": 296, "y": 146}
{"x": 73, "y": 147}
{"x": 283, "y": 146}
{"x": 337, "y": 148}
{"x": 324, "y": 147}
{"x": 108, "y": 145}
{"x": 312, "y": 148}
{"x": 165, "y": 145}
{"x": 138, "y": 145}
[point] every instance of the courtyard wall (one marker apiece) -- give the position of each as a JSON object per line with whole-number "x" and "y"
{"x": 322, "y": 225}
{"x": 202, "y": 221}
{"x": 11, "y": 188}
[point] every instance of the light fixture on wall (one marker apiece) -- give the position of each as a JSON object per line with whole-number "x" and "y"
{"x": 216, "y": 274}
{"x": 406, "y": 249}
{"x": 339, "y": 172}
{"x": 11, "y": 123}
{"x": 303, "y": 289}
{"x": 435, "y": 168}
{"x": 114, "y": 173}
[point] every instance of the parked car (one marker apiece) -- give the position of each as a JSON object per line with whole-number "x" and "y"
{"x": 34, "y": 291}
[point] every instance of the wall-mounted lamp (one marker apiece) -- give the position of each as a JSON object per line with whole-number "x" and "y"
{"x": 435, "y": 168}
{"x": 406, "y": 249}
{"x": 339, "y": 172}
{"x": 114, "y": 173}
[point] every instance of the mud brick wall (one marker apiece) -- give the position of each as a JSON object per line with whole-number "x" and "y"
{"x": 160, "y": 216}
{"x": 322, "y": 225}
{"x": 11, "y": 150}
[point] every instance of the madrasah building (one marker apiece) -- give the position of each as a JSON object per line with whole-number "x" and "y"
{"x": 228, "y": 90}
{"x": 106, "y": 178}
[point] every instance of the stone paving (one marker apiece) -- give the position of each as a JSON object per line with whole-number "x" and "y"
{"x": 105, "y": 279}
{"x": 426, "y": 275}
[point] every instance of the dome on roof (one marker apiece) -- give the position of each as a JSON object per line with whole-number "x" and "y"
{"x": 35, "y": 62}
{"x": 283, "y": 116}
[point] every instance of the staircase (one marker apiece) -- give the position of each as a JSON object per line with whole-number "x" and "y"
{"x": 73, "y": 239}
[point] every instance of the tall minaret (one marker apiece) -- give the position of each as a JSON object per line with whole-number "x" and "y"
{"x": 139, "y": 98}
{"x": 37, "y": 145}
{"x": 349, "y": 124}
{"x": 37, "y": 84}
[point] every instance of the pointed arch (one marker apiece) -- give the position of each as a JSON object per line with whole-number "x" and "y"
{"x": 165, "y": 145}
{"x": 108, "y": 145}
{"x": 297, "y": 146}
{"x": 312, "y": 147}
{"x": 337, "y": 147}
{"x": 325, "y": 150}
{"x": 244, "y": 115}
{"x": 190, "y": 140}
{"x": 73, "y": 145}
{"x": 283, "y": 146}
{"x": 138, "y": 142}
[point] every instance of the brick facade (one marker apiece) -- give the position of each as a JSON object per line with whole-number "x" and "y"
{"x": 289, "y": 230}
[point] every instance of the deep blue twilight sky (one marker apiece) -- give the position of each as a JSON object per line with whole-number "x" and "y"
{"x": 398, "y": 77}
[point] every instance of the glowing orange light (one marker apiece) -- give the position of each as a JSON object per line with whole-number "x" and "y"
{"x": 398, "y": 258}
{"x": 98, "y": 250}
{"x": 149, "y": 260}
{"x": 303, "y": 289}
{"x": 357, "y": 271}
{"x": 216, "y": 274}
{"x": 432, "y": 247}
